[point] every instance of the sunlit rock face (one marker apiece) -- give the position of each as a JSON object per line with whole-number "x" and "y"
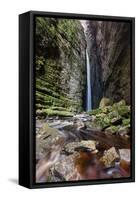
{"x": 108, "y": 46}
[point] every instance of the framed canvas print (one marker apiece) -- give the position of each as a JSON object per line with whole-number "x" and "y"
{"x": 76, "y": 99}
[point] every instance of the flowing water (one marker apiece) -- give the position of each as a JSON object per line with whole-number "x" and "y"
{"x": 89, "y": 92}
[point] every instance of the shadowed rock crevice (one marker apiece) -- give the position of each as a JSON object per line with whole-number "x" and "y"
{"x": 109, "y": 46}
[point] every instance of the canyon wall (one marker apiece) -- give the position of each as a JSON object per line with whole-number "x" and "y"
{"x": 108, "y": 45}
{"x": 60, "y": 66}
{"x": 61, "y": 70}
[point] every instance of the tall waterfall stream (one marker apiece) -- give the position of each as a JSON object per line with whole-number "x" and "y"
{"x": 89, "y": 92}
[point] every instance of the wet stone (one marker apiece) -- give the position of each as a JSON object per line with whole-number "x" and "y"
{"x": 109, "y": 157}
{"x": 125, "y": 154}
{"x": 73, "y": 146}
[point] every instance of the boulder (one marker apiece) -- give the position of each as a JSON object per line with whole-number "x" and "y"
{"x": 73, "y": 146}
{"x": 105, "y": 102}
{"x": 109, "y": 157}
{"x": 65, "y": 168}
{"x": 124, "y": 111}
{"x": 48, "y": 138}
{"x": 125, "y": 154}
{"x": 121, "y": 103}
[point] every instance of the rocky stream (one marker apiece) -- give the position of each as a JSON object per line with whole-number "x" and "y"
{"x": 93, "y": 145}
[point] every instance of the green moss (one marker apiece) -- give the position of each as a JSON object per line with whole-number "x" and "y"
{"x": 95, "y": 111}
{"x": 100, "y": 115}
{"x": 124, "y": 111}
{"x": 106, "y": 109}
{"x": 40, "y": 62}
{"x": 70, "y": 29}
{"x": 58, "y": 108}
{"x": 103, "y": 121}
{"x": 47, "y": 91}
{"x": 114, "y": 114}
{"x": 126, "y": 122}
{"x": 50, "y": 112}
{"x": 57, "y": 43}
{"x": 40, "y": 106}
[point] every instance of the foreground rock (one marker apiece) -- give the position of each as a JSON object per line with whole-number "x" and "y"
{"x": 125, "y": 154}
{"x": 48, "y": 138}
{"x": 65, "y": 169}
{"x": 109, "y": 157}
{"x": 89, "y": 145}
{"x": 93, "y": 145}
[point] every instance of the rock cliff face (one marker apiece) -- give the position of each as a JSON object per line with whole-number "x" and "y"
{"x": 60, "y": 66}
{"x": 108, "y": 46}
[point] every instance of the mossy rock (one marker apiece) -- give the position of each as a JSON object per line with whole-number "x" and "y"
{"x": 124, "y": 111}
{"x": 121, "y": 103}
{"x": 126, "y": 122}
{"x": 103, "y": 121}
{"x": 122, "y": 108}
{"x": 106, "y": 109}
{"x": 114, "y": 114}
{"x": 105, "y": 102}
{"x": 112, "y": 129}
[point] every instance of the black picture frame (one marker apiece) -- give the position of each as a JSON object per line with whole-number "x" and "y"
{"x": 27, "y": 98}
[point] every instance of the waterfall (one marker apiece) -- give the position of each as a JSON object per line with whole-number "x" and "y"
{"x": 89, "y": 92}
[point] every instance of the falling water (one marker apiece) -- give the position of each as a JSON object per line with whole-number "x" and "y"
{"x": 89, "y": 93}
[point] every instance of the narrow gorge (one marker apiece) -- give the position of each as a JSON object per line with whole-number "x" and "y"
{"x": 61, "y": 68}
{"x": 83, "y": 99}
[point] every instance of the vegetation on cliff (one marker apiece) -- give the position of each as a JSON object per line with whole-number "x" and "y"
{"x": 60, "y": 66}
